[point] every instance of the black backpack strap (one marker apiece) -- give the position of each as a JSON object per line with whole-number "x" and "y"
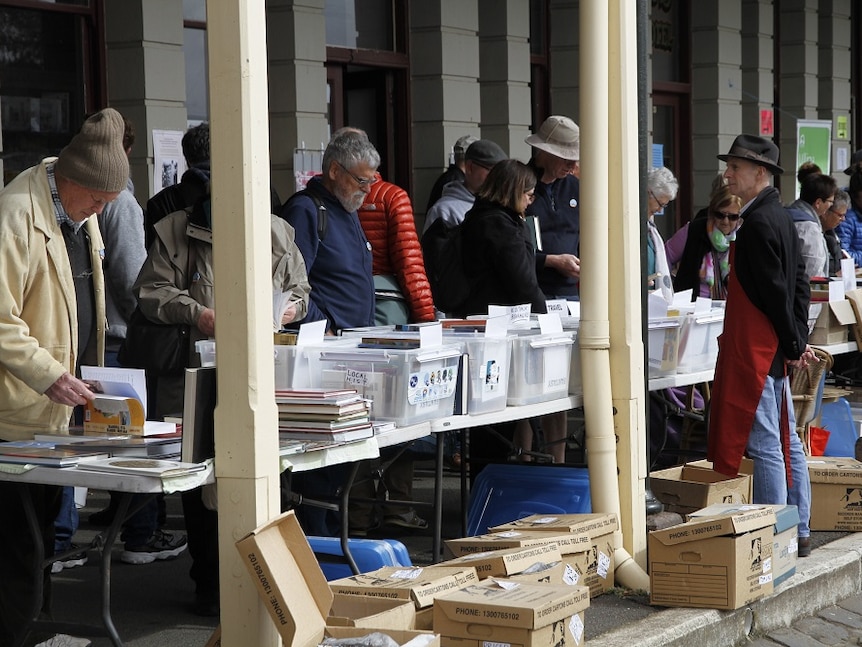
{"x": 321, "y": 210}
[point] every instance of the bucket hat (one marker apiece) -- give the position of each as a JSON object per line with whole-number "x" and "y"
{"x": 558, "y": 136}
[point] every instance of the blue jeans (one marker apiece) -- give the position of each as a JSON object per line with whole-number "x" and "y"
{"x": 764, "y": 448}
{"x": 66, "y": 522}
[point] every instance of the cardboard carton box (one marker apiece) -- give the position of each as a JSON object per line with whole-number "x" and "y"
{"x": 595, "y": 524}
{"x": 785, "y": 539}
{"x": 687, "y": 488}
{"x": 289, "y": 579}
{"x": 401, "y": 637}
{"x": 832, "y": 324}
{"x": 417, "y": 584}
{"x": 502, "y": 612}
{"x": 836, "y": 493}
{"x": 367, "y": 612}
{"x": 593, "y": 568}
{"x": 721, "y": 562}
{"x": 509, "y": 561}
{"x": 567, "y": 542}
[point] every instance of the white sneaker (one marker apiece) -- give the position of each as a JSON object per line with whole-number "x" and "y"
{"x": 65, "y": 640}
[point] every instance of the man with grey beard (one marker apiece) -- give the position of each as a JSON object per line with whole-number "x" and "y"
{"x": 336, "y": 252}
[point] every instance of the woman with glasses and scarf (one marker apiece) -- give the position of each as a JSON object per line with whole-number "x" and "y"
{"x": 701, "y": 247}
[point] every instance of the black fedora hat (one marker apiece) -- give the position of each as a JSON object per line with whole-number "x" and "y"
{"x": 756, "y": 150}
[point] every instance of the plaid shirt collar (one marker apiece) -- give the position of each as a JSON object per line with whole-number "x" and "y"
{"x": 59, "y": 212}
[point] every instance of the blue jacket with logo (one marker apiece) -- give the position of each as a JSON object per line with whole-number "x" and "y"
{"x": 557, "y": 207}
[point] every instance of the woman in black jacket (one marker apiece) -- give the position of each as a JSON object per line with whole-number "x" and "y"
{"x": 498, "y": 258}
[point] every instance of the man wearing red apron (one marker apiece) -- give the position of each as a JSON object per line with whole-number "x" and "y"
{"x": 765, "y": 332}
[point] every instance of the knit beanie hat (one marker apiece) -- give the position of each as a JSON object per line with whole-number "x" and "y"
{"x": 95, "y": 158}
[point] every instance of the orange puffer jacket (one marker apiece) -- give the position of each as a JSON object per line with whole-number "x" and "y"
{"x": 387, "y": 219}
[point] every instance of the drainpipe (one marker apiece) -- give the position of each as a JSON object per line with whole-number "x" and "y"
{"x": 594, "y": 335}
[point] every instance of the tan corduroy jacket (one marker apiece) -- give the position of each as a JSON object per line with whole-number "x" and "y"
{"x": 38, "y": 313}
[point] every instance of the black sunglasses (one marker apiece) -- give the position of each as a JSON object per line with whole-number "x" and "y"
{"x": 724, "y": 215}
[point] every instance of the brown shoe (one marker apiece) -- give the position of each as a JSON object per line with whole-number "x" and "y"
{"x": 804, "y": 547}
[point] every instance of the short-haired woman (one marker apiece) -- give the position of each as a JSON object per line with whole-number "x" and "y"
{"x": 499, "y": 260}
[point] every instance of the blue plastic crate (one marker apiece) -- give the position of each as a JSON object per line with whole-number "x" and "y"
{"x": 837, "y": 418}
{"x": 506, "y": 492}
{"x": 369, "y": 555}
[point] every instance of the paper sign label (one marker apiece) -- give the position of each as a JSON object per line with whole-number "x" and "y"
{"x": 407, "y": 574}
{"x": 431, "y": 385}
{"x": 311, "y": 333}
{"x": 571, "y": 576}
{"x": 576, "y": 628}
{"x": 550, "y": 323}
{"x": 603, "y": 565}
{"x": 560, "y": 306}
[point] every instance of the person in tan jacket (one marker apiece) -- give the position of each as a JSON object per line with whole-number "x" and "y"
{"x": 39, "y": 334}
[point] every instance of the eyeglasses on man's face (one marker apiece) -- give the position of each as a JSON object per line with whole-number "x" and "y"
{"x": 361, "y": 181}
{"x": 839, "y": 214}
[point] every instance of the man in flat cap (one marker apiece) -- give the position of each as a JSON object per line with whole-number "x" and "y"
{"x": 459, "y": 195}
{"x": 765, "y": 334}
{"x": 52, "y": 309}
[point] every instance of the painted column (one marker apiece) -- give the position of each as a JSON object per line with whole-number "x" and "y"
{"x": 504, "y": 72}
{"x": 143, "y": 38}
{"x": 246, "y": 421}
{"x": 444, "y": 67}
{"x": 296, "y": 38}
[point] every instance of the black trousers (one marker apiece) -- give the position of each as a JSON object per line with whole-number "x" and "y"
{"x": 17, "y": 582}
{"x": 202, "y": 532}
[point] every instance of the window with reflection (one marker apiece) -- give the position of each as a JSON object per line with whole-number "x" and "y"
{"x": 197, "y": 68}
{"x": 369, "y": 24}
{"x": 42, "y": 101}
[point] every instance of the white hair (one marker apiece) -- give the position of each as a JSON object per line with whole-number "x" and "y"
{"x": 662, "y": 183}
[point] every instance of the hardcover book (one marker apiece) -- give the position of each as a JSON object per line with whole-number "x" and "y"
{"x": 48, "y": 457}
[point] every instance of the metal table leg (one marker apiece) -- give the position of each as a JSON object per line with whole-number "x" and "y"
{"x": 103, "y": 543}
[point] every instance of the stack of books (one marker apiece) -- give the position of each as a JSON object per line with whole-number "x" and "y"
{"x": 321, "y": 415}
{"x": 165, "y": 446}
{"x": 31, "y": 452}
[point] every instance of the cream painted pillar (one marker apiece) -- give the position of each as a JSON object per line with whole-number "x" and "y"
{"x": 616, "y": 447}
{"x": 143, "y": 38}
{"x": 504, "y": 72}
{"x": 245, "y": 419}
{"x": 444, "y": 69}
{"x": 798, "y": 53}
{"x": 716, "y": 89}
{"x": 296, "y": 39}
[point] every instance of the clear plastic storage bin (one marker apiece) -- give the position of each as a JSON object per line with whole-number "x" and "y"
{"x": 206, "y": 349}
{"x": 405, "y": 386}
{"x": 572, "y": 325}
{"x": 698, "y": 341}
{"x": 663, "y": 346}
{"x": 540, "y": 368}
{"x": 489, "y": 371}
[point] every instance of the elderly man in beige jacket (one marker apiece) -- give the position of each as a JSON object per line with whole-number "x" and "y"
{"x": 39, "y": 333}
